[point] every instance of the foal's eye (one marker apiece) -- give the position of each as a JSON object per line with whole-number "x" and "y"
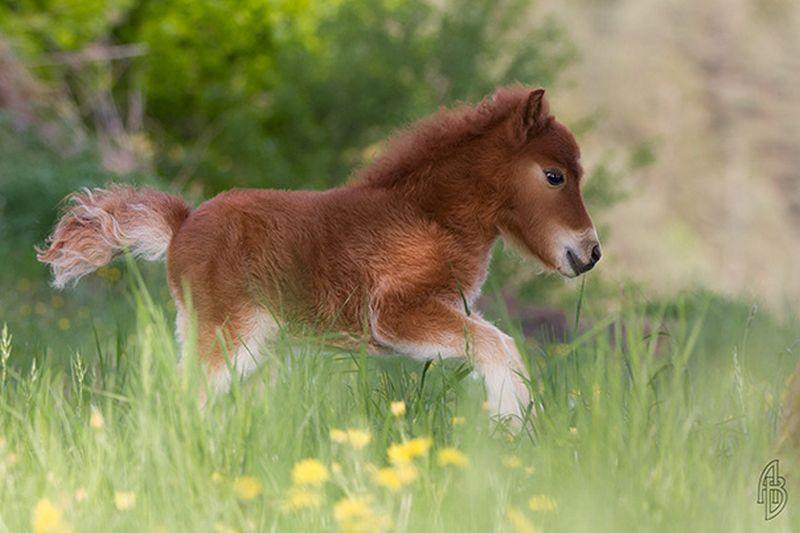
{"x": 555, "y": 177}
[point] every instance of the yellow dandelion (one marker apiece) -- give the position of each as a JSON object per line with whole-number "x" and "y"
{"x": 356, "y": 514}
{"x": 406, "y": 472}
{"x": 338, "y": 436}
{"x": 358, "y": 438}
{"x": 40, "y": 308}
{"x": 96, "y": 420}
{"x": 396, "y": 477}
{"x": 63, "y": 324}
{"x": 124, "y": 500}
{"x": 388, "y": 478}
{"x": 57, "y": 301}
{"x": 573, "y": 431}
{"x": 542, "y": 503}
{"x": 520, "y": 522}
{"x": 512, "y": 461}
{"x": 299, "y": 498}
{"x": 458, "y": 421}
{"x": 246, "y": 487}
{"x": 47, "y": 517}
{"x": 409, "y": 450}
{"x": 217, "y": 477}
{"x": 451, "y": 456}
{"x": 398, "y": 408}
{"x": 351, "y": 508}
{"x": 309, "y": 472}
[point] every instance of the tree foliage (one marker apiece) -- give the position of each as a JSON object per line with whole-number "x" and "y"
{"x": 291, "y": 93}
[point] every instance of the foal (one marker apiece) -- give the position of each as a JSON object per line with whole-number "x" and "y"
{"x": 395, "y": 258}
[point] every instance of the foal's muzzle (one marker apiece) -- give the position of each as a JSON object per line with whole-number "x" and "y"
{"x": 584, "y": 260}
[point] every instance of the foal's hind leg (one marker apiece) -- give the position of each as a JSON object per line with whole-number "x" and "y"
{"x": 231, "y": 350}
{"x": 239, "y": 347}
{"x": 436, "y": 329}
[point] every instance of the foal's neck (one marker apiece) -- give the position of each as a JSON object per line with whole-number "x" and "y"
{"x": 449, "y": 192}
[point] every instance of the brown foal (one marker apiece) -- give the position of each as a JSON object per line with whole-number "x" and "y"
{"x": 395, "y": 258}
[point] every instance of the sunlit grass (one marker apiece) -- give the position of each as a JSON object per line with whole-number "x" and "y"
{"x": 644, "y": 424}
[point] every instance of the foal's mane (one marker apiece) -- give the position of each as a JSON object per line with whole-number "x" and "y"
{"x": 421, "y": 143}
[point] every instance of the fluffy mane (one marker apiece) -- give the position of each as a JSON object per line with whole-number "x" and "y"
{"x": 426, "y": 140}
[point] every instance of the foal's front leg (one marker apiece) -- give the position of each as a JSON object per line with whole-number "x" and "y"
{"x": 436, "y": 329}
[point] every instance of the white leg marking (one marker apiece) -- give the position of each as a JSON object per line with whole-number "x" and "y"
{"x": 260, "y": 328}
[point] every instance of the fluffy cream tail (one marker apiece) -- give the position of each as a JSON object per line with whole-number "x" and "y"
{"x": 99, "y": 224}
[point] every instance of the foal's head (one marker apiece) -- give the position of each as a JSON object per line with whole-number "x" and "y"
{"x": 538, "y": 177}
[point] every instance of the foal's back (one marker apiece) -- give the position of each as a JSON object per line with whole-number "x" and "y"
{"x": 311, "y": 254}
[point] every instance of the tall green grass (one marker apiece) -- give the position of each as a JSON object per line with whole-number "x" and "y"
{"x": 650, "y": 420}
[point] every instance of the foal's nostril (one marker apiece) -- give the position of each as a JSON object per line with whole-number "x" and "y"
{"x": 596, "y": 254}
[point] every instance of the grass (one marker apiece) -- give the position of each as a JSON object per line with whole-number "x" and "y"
{"x": 659, "y": 418}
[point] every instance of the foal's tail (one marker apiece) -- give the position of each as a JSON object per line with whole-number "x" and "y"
{"x": 99, "y": 224}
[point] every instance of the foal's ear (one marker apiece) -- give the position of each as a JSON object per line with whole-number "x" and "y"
{"x": 535, "y": 112}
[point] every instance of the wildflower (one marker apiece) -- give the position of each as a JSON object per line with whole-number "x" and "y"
{"x": 519, "y": 521}
{"x": 338, "y": 436}
{"x": 573, "y": 430}
{"x": 57, "y": 301}
{"x": 395, "y": 478}
{"x": 388, "y": 478}
{"x": 406, "y": 472}
{"x": 96, "y": 420}
{"x": 409, "y": 450}
{"x": 451, "y": 456}
{"x": 217, "y": 477}
{"x": 458, "y": 421}
{"x": 542, "y": 503}
{"x": 358, "y": 438}
{"x": 219, "y": 527}
{"x": 356, "y": 514}
{"x": 299, "y": 498}
{"x": 309, "y": 472}
{"x": 47, "y": 517}
{"x": 124, "y": 501}
{"x": 246, "y": 487}
{"x": 398, "y": 408}
{"x": 336, "y": 468}
{"x": 80, "y": 495}
{"x": 39, "y": 308}
{"x": 11, "y": 459}
{"x": 63, "y": 324}
{"x": 512, "y": 461}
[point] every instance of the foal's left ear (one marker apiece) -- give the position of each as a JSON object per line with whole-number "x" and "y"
{"x": 535, "y": 113}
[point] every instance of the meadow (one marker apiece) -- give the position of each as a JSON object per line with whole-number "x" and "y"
{"x": 656, "y": 409}
{"x": 655, "y": 417}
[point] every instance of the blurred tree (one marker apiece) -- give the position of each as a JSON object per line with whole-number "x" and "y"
{"x": 292, "y": 93}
